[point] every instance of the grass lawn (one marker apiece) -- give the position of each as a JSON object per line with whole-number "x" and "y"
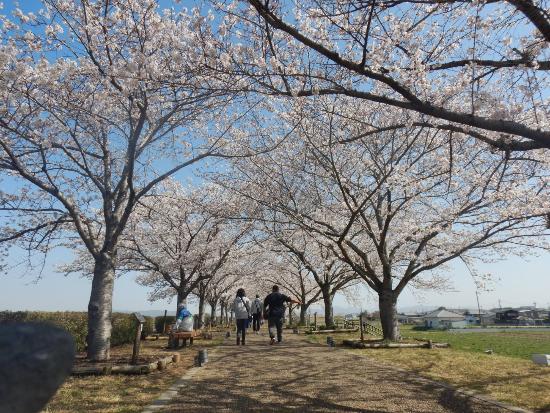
{"x": 125, "y": 393}
{"x": 519, "y": 344}
{"x": 507, "y": 375}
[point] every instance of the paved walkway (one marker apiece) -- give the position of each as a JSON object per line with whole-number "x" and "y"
{"x": 297, "y": 376}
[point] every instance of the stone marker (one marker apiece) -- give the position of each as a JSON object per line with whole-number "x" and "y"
{"x": 202, "y": 357}
{"x": 541, "y": 359}
{"x": 35, "y": 359}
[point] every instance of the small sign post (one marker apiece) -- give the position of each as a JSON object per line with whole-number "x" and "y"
{"x": 137, "y": 339}
{"x": 164, "y": 323}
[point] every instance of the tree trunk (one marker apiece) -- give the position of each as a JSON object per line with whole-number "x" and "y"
{"x": 290, "y": 318}
{"x": 327, "y": 300}
{"x": 100, "y": 308}
{"x": 303, "y": 312}
{"x": 201, "y": 311}
{"x": 181, "y": 300}
{"x": 222, "y": 312}
{"x": 387, "y": 301}
{"x": 213, "y": 306}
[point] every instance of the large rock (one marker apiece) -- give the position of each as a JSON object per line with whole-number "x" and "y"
{"x": 35, "y": 359}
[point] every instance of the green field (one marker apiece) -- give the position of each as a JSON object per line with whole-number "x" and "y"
{"x": 519, "y": 344}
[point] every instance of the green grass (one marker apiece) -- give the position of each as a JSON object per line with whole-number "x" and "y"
{"x": 518, "y": 344}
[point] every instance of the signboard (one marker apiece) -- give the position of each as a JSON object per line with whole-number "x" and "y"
{"x": 139, "y": 318}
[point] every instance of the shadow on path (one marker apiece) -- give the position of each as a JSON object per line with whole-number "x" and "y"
{"x": 297, "y": 376}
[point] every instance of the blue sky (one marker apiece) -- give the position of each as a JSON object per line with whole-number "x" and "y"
{"x": 520, "y": 282}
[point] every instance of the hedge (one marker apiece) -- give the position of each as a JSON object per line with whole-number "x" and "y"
{"x": 76, "y": 323}
{"x": 170, "y": 319}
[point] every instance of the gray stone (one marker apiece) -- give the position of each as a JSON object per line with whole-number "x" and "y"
{"x": 541, "y": 359}
{"x": 35, "y": 359}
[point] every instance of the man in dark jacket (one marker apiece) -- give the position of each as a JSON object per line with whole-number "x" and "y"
{"x": 274, "y": 307}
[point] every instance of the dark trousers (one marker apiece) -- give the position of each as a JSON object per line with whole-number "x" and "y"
{"x": 275, "y": 323}
{"x": 256, "y": 318}
{"x": 241, "y": 329}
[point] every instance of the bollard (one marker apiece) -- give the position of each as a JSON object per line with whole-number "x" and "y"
{"x": 202, "y": 357}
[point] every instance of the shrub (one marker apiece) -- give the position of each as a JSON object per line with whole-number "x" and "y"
{"x": 76, "y": 323}
{"x": 124, "y": 329}
{"x": 170, "y": 319}
{"x": 148, "y": 327}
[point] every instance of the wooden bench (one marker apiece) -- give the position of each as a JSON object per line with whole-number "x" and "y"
{"x": 175, "y": 336}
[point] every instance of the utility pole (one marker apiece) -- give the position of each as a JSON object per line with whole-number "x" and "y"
{"x": 478, "y": 308}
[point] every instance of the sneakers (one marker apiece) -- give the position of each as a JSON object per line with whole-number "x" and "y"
{"x": 272, "y": 341}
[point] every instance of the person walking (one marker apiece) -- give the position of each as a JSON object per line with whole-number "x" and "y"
{"x": 274, "y": 308}
{"x": 256, "y": 310}
{"x": 241, "y": 308}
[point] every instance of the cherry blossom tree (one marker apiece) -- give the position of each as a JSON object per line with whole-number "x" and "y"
{"x": 480, "y": 68}
{"x": 179, "y": 240}
{"x": 214, "y": 290}
{"x": 313, "y": 270}
{"x": 331, "y": 274}
{"x": 240, "y": 270}
{"x": 284, "y": 269}
{"x": 398, "y": 205}
{"x": 100, "y": 101}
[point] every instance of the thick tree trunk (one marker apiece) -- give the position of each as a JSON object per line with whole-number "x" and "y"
{"x": 387, "y": 302}
{"x": 100, "y": 308}
{"x": 303, "y": 312}
{"x": 327, "y": 300}
{"x": 181, "y": 300}
{"x": 201, "y": 311}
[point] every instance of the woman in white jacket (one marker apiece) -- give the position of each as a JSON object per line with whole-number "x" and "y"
{"x": 241, "y": 308}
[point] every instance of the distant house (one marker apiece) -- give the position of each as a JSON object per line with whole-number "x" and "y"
{"x": 532, "y": 317}
{"x": 410, "y": 318}
{"x": 487, "y": 318}
{"x": 442, "y": 318}
{"x": 507, "y": 316}
{"x": 471, "y": 318}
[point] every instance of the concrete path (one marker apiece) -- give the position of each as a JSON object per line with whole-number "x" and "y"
{"x": 297, "y": 376}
